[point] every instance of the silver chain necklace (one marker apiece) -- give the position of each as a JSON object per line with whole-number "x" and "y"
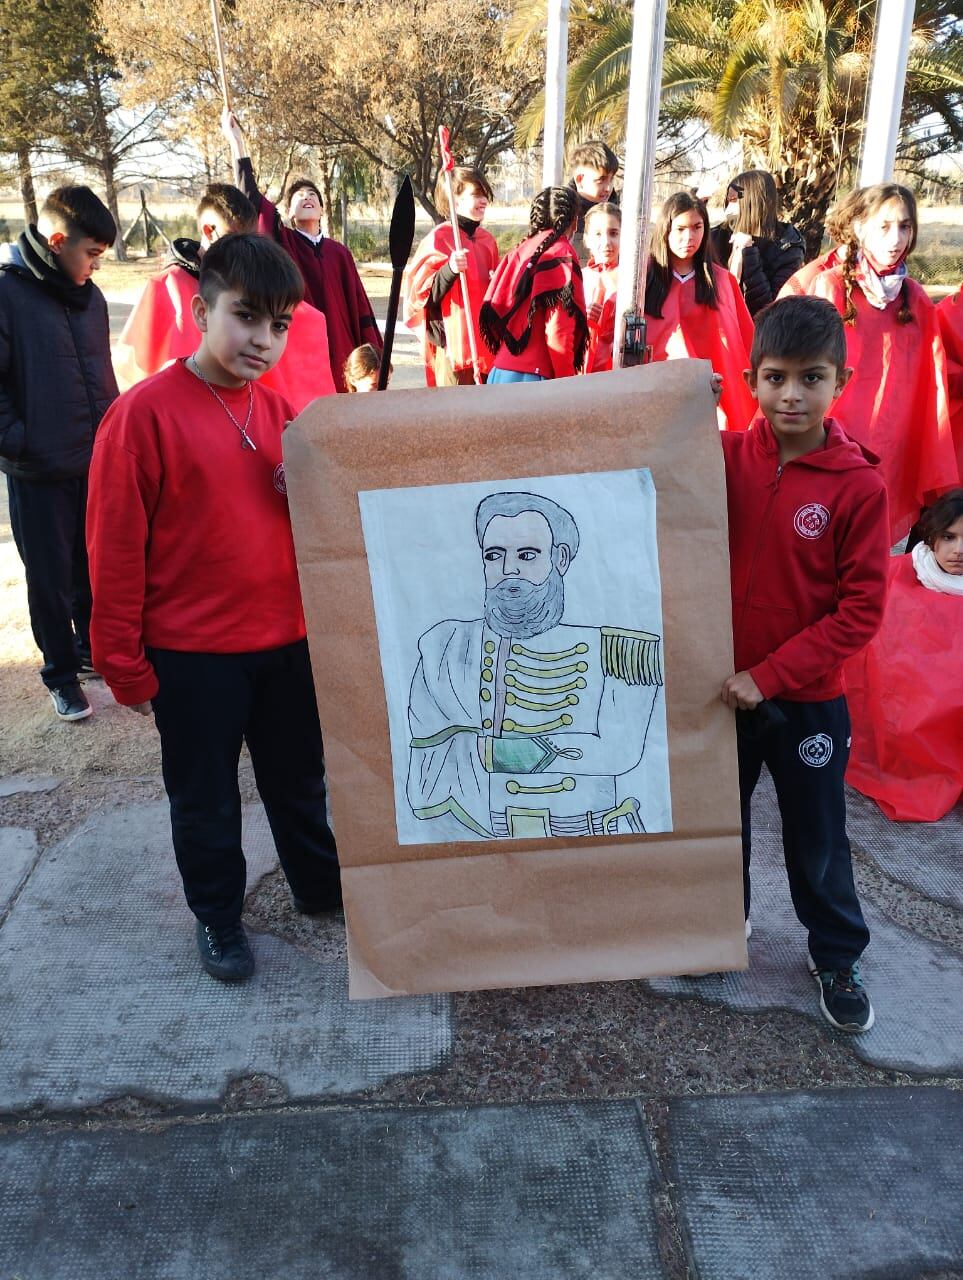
{"x": 246, "y": 441}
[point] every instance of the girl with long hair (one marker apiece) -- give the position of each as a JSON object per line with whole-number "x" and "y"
{"x": 896, "y": 402}
{"x": 694, "y": 308}
{"x": 759, "y": 250}
{"x": 839, "y": 225}
{"x": 533, "y": 318}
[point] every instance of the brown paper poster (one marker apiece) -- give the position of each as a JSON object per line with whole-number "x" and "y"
{"x": 518, "y": 609}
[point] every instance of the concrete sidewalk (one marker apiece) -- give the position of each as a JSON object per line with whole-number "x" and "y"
{"x": 157, "y": 1124}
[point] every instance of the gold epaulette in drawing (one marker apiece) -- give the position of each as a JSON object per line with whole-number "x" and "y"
{"x": 631, "y": 656}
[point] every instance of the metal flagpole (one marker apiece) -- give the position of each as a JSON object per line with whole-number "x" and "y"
{"x": 894, "y": 24}
{"x": 556, "y": 77}
{"x": 645, "y": 85}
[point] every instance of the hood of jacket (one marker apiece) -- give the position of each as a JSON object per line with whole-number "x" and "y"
{"x": 840, "y": 452}
{"x": 37, "y": 261}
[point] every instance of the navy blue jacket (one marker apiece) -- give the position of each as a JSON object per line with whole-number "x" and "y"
{"x": 56, "y": 376}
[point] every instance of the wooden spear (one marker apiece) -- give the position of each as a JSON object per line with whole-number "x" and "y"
{"x": 219, "y": 45}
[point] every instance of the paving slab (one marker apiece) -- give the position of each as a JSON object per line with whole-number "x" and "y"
{"x": 915, "y": 984}
{"x": 857, "y": 1184}
{"x": 101, "y": 994}
{"x": 16, "y": 784}
{"x": 535, "y": 1191}
{"x": 925, "y": 855}
{"x": 18, "y": 852}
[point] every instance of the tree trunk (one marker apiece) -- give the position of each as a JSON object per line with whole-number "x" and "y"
{"x": 105, "y": 151}
{"x": 27, "y": 193}
{"x": 327, "y": 215}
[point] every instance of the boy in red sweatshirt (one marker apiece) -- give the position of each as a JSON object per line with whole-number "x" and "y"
{"x": 809, "y": 554}
{"x": 197, "y": 608}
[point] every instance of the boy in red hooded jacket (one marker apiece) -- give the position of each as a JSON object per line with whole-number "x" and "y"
{"x": 809, "y": 553}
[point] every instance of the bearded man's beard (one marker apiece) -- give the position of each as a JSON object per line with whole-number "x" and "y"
{"x": 521, "y": 609}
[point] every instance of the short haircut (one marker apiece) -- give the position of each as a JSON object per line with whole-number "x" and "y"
{"x": 462, "y": 177}
{"x": 594, "y": 154}
{"x": 562, "y": 524}
{"x": 230, "y": 204}
{"x": 78, "y": 212}
{"x": 938, "y": 518}
{"x": 799, "y": 328}
{"x": 603, "y": 210}
{"x": 257, "y": 268}
{"x": 298, "y": 185}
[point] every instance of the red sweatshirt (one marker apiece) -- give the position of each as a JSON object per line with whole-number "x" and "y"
{"x": 809, "y": 557}
{"x": 188, "y": 533}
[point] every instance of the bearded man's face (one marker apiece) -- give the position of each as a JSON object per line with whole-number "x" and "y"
{"x": 524, "y": 592}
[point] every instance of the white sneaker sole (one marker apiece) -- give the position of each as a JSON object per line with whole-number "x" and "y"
{"x": 73, "y": 715}
{"x": 852, "y": 1028}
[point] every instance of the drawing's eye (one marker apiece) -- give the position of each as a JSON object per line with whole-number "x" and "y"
{"x": 494, "y": 554}
{"x": 527, "y": 554}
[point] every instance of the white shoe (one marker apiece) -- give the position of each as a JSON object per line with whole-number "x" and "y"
{"x": 748, "y": 930}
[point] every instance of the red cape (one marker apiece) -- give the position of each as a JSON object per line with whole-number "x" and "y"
{"x": 430, "y": 256}
{"x": 601, "y": 286}
{"x": 691, "y": 330}
{"x": 896, "y": 402}
{"x": 950, "y": 317}
{"x": 905, "y": 693}
{"x": 800, "y": 282}
{"x": 161, "y": 329}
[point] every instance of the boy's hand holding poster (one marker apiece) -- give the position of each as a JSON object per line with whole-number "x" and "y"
{"x": 519, "y": 615}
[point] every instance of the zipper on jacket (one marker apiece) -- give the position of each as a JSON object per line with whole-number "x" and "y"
{"x": 83, "y": 373}
{"x": 773, "y": 490}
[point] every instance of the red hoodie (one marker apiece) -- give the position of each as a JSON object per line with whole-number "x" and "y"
{"x": 809, "y": 558}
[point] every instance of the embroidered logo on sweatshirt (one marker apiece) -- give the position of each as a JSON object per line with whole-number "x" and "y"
{"x": 812, "y": 520}
{"x": 279, "y": 482}
{"x": 816, "y": 751}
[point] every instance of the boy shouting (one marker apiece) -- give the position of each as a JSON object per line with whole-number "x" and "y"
{"x": 809, "y": 553}
{"x": 197, "y": 608}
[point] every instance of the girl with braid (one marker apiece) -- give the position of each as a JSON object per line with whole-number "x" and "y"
{"x": 533, "y": 317}
{"x": 896, "y": 403}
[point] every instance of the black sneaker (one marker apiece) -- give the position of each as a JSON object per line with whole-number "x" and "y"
{"x": 225, "y": 951}
{"x": 70, "y": 702}
{"x": 842, "y": 997}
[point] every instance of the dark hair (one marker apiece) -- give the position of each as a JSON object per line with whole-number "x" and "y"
{"x": 658, "y": 280}
{"x": 598, "y": 210}
{"x": 873, "y": 199}
{"x": 594, "y": 154}
{"x": 231, "y": 204}
{"x": 938, "y": 518}
{"x": 362, "y": 363}
{"x": 799, "y": 328}
{"x": 758, "y": 203}
{"x": 256, "y": 267}
{"x": 298, "y": 185}
{"x": 78, "y": 212}
{"x": 462, "y": 178}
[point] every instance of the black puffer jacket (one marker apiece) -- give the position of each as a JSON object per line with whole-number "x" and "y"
{"x": 56, "y": 376}
{"x": 766, "y": 264}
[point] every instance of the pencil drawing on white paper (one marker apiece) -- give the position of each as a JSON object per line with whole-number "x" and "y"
{"x": 534, "y": 705}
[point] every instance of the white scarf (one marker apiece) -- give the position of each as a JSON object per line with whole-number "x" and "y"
{"x": 931, "y": 575}
{"x": 878, "y": 290}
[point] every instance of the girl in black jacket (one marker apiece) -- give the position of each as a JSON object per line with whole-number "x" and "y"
{"x": 760, "y": 251}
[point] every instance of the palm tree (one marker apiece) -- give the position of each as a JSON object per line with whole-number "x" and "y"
{"x": 787, "y": 78}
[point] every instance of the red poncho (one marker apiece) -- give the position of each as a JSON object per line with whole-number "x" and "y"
{"x": 905, "y": 693}
{"x": 161, "y": 329}
{"x": 896, "y": 402}
{"x": 534, "y": 320}
{"x": 601, "y": 286}
{"x": 950, "y": 316}
{"x": 800, "y": 282}
{"x": 723, "y": 336}
{"x": 430, "y": 256}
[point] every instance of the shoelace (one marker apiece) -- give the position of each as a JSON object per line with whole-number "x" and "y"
{"x": 845, "y": 979}
{"x": 224, "y": 936}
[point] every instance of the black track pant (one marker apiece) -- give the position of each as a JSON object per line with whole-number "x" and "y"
{"x": 207, "y": 704}
{"x": 48, "y": 520}
{"x": 807, "y": 757}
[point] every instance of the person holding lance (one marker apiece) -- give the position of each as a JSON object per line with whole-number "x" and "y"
{"x": 331, "y": 279}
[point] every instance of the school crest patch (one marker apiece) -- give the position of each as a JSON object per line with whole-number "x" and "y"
{"x": 816, "y": 751}
{"x": 812, "y": 520}
{"x": 279, "y": 482}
